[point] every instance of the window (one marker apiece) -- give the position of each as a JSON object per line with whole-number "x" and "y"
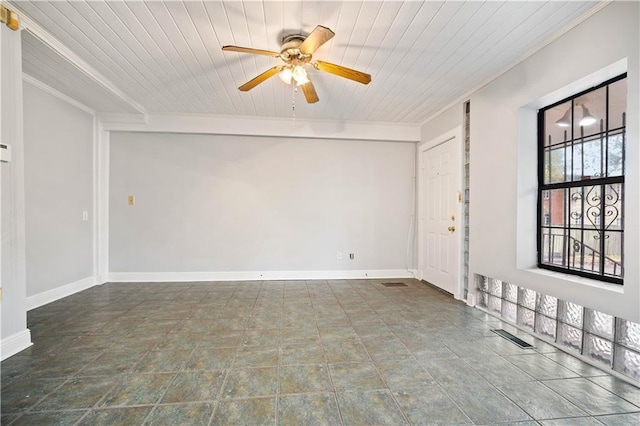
{"x": 581, "y": 183}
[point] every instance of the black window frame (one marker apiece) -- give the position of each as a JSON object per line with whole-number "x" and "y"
{"x": 568, "y": 185}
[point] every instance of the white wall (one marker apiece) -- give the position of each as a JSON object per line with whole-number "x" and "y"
{"x": 442, "y": 123}
{"x": 211, "y": 203}
{"x": 503, "y": 158}
{"x": 58, "y": 141}
{"x": 14, "y": 335}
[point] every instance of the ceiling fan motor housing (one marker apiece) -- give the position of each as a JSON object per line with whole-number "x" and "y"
{"x": 290, "y": 49}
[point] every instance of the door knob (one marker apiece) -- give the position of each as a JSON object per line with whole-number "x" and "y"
{"x": 451, "y": 228}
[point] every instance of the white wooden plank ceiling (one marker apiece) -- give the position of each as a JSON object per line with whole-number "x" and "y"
{"x": 166, "y": 55}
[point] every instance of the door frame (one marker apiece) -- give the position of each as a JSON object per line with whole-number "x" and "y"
{"x": 454, "y": 134}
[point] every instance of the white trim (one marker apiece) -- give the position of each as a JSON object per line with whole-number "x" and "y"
{"x": 50, "y": 90}
{"x": 13, "y": 275}
{"x": 115, "y": 119}
{"x": 264, "y": 127}
{"x": 101, "y": 208}
{"x": 456, "y": 135}
{"x": 95, "y": 198}
{"x": 445, "y": 137}
{"x": 58, "y": 293}
{"x": 256, "y": 275}
{"x": 1, "y": 166}
{"x": 75, "y": 60}
{"x": 15, "y": 343}
{"x": 471, "y": 299}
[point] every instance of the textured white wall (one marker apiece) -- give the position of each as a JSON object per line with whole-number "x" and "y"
{"x": 234, "y": 203}
{"x": 503, "y": 158}
{"x": 58, "y": 140}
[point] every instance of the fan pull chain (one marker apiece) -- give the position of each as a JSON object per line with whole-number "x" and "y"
{"x": 293, "y": 102}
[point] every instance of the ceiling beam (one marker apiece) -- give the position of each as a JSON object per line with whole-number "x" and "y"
{"x": 257, "y": 126}
{"x": 62, "y": 50}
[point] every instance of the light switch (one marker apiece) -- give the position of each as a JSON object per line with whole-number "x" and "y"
{"x": 132, "y": 200}
{"x": 5, "y": 152}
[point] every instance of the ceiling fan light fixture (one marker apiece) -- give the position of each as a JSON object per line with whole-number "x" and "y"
{"x": 302, "y": 80}
{"x": 565, "y": 120}
{"x": 300, "y": 75}
{"x": 286, "y": 75}
{"x": 297, "y": 51}
{"x": 587, "y": 119}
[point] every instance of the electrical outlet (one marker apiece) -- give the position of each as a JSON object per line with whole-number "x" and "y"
{"x": 132, "y": 200}
{"x": 339, "y": 255}
{"x": 85, "y": 216}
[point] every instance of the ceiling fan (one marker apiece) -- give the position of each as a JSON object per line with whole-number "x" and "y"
{"x": 296, "y": 52}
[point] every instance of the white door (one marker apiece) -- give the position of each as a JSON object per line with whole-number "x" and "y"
{"x": 439, "y": 242}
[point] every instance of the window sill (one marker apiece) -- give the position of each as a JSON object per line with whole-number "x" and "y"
{"x": 614, "y": 288}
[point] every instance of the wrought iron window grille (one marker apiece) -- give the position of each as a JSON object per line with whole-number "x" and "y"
{"x": 581, "y": 183}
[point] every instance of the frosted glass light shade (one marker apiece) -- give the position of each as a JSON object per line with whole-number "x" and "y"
{"x": 300, "y": 75}
{"x": 286, "y": 75}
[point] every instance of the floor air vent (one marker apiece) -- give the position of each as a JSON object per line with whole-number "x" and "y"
{"x": 510, "y": 337}
{"x": 394, "y": 285}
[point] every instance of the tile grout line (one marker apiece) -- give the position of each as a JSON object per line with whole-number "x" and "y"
{"x": 398, "y": 314}
{"x": 228, "y": 370}
{"x": 334, "y": 391}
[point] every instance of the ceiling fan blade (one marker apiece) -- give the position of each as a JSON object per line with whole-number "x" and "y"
{"x": 341, "y": 71}
{"x": 250, "y": 50}
{"x": 310, "y": 93}
{"x": 260, "y": 78}
{"x": 319, "y": 36}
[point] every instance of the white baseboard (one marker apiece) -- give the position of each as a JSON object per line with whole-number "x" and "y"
{"x": 14, "y": 344}
{"x": 102, "y": 279}
{"x": 49, "y": 296}
{"x": 256, "y": 275}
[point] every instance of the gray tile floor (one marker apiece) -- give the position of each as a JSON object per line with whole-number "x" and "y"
{"x": 293, "y": 353}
